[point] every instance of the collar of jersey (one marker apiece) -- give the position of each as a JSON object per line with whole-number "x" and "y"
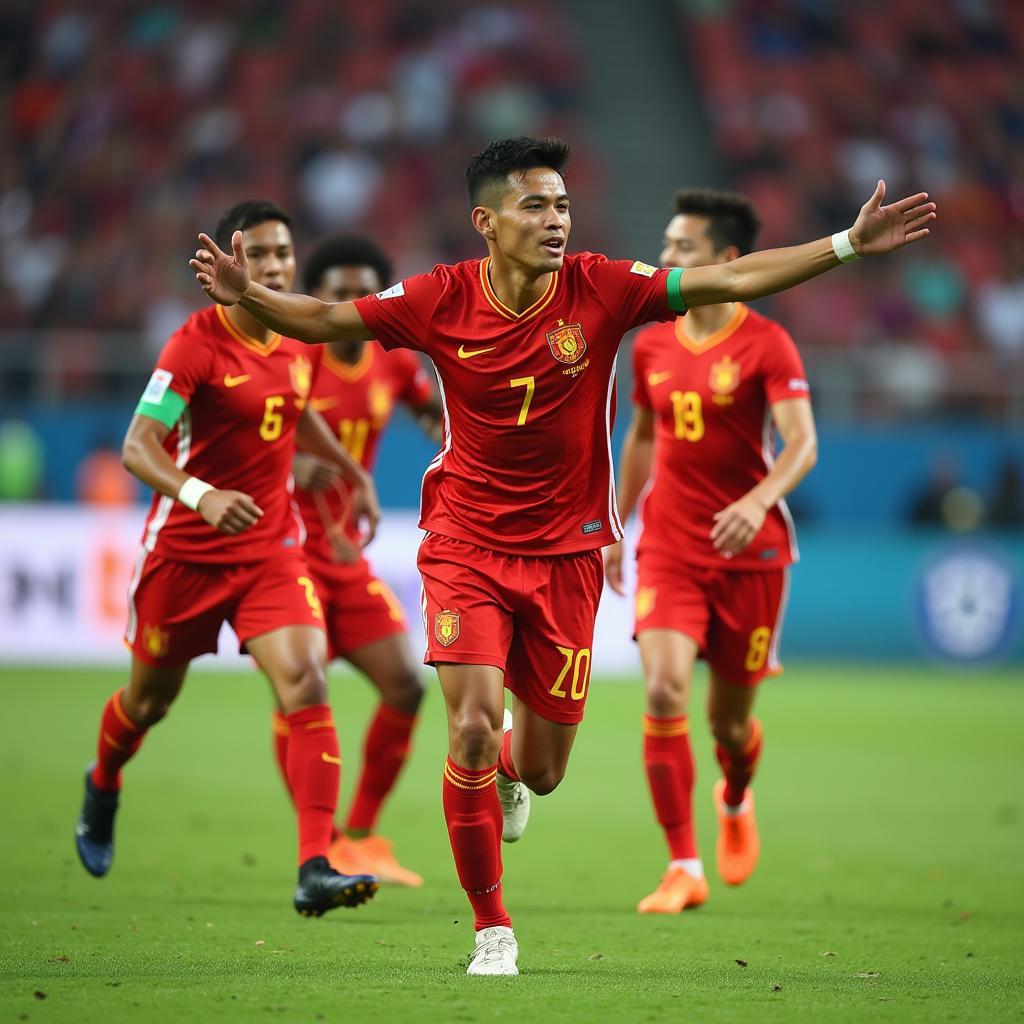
{"x": 349, "y": 371}
{"x": 253, "y": 344}
{"x": 500, "y": 307}
{"x": 727, "y": 330}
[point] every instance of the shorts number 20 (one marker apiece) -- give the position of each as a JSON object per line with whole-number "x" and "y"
{"x": 579, "y": 662}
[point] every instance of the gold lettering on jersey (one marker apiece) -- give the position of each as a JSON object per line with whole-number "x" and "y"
{"x": 446, "y": 627}
{"x": 301, "y": 372}
{"x": 566, "y": 342}
{"x": 379, "y": 400}
{"x": 574, "y": 371}
{"x": 155, "y": 641}
{"x": 723, "y": 380}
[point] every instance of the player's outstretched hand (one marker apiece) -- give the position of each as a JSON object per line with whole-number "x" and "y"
{"x": 224, "y": 276}
{"x": 366, "y": 509}
{"x": 737, "y": 525}
{"x": 313, "y": 474}
{"x": 879, "y": 229}
{"x": 613, "y": 555}
{"x": 231, "y": 512}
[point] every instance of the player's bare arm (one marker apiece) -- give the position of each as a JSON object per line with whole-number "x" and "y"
{"x": 315, "y": 437}
{"x": 877, "y": 230}
{"x": 634, "y": 472}
{"x": 739, "y": 523}
{"x": 144, "y": 456}
{"x": 225, "y": 278}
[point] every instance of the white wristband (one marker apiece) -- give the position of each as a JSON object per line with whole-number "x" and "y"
{"x": 192, "y": 490}
{"x": 843, "y": 247}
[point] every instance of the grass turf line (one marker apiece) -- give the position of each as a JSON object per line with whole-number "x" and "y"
{"x": 891, "y": 827}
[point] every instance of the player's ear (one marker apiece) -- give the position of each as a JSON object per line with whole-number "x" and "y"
{"x": 483, "y": 218}
{"x": 730, "y": 253}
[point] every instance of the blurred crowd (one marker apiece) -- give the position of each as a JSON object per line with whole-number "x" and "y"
{"x": 810, "y": 102}
{"x": 127, "y": 127}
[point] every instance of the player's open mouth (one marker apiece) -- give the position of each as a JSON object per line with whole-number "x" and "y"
{"x": 274, "y": 286}
{"x": 554, "y": 244}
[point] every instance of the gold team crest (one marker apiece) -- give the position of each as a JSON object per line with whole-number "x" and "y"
{"x": 155, "y": 641}
{"x": 301, "y": 372}
{"x": 723, "y": 380}
{"x": 645, "y": 598}
{"x": 379, "y": 399}
{"x": 446, "y": 627}
{"x": 567, "y": 342}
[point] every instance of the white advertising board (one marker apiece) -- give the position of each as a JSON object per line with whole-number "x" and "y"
{"x": 64, "y": 573}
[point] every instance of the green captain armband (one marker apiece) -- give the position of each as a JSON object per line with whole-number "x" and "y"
{"x": 159, "y": 402}
{"x": 676, "y": 302}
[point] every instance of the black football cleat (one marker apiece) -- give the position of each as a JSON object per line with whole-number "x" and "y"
{"x": 321, "y": 888}
{"x": 94, "y": 833}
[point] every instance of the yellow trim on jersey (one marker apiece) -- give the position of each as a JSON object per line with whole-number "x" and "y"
{"x": 346, "y": 372}
{"x": 726, "y": 331}
{"x": 251, "y": 343}
{"x": 500, "y": 307}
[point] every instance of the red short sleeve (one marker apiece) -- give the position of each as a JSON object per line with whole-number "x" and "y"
{"x": 784, "y": 374}
{"x": 188, "y": 358}
{"x": 634, "y": 293}
{"x": 399, "y": 316}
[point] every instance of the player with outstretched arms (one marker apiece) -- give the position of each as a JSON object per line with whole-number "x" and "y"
{"x": 716, "y": 537}
{"x": 356, "y": 391}
{"x": 214, "y": 435}
{"x": 519, "y": 501}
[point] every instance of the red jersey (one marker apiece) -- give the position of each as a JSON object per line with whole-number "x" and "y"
{"x": 526, "y": 464}
{"x": 713, "y": 437}
{"x": 357, "y": 402}
{"x": 237, "y": 432}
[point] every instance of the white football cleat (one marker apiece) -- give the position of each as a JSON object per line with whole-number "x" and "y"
{"x": 496, "y": 953}
{"x": 515, "y": 799}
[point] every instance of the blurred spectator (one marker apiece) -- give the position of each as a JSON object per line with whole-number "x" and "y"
{"x": 1006, "y": 509}
{"x": 21, "y": 461}
{"x": 101, "y": 479}
{"x": 944, "y": 501}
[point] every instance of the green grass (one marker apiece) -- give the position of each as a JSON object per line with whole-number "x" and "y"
{"x": 893, "y": 840}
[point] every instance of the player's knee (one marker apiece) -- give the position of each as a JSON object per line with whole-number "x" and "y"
{"x": 542, "y": 781}
{"x": 731, "y": 733}
{"x": 405, "y": 692}
{"x": 666, "y": 693}
{"x": 147, "y": 711}
{"x": 475, "y": 741}
{"x": 305, "y": 686}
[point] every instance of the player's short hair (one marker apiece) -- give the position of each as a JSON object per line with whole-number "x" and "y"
{"x": 345, "y": 251}
{"x": 487, "y": 173}
{"x": 245, "y": 215}
{"x": 734, "y": 221}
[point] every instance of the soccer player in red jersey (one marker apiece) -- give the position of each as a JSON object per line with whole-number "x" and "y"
{"x": 519, "y": 501}
{"x": 213, "y": 435}
{"x": 716, "y": 536}
{"x": 356, "y": 391}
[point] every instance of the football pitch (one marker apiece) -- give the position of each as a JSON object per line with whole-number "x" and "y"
{"x": 891, "y": 884}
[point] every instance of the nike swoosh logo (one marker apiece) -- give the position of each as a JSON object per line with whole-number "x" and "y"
{"x": 327, "y": 757}
{"x": 233, "y": 382}
{"x": 654, "y": 379}
{"x": 465, "y": 354}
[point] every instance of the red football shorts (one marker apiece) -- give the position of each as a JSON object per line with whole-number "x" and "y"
{"x": 532, "y": 617}
{"x": 735, "y": 618}
{"x": 359, "y": 608}
{"x": 176, "y": 609}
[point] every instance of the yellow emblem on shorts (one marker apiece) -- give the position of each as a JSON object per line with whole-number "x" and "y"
{"x": 566, "y": 342}
{"x": 645, "y": 598}
{"x": 301, "y": 373}
{"x": 446, "y": 627}
{"x": 155, "y": 641}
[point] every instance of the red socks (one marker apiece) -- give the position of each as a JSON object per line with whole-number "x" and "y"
{"x": 473, "y": 814}
{"x": 385, "y": 751}
{"x": 739, "y": 768}
{"x": 279, "y": 726}
{"x": 505, "y": 765}
{"x": 120, "y": 737}
{"x": 668, "y": 759}
{"x": 313, "y": 771}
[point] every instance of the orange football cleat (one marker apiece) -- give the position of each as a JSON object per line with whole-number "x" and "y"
{"x": 677, "y": 891}
{"x": 739, "y": 845}
{"x": 370, "y": 856}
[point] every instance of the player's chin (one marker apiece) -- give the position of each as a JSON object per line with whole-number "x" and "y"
{"x": 551, "y": 260}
